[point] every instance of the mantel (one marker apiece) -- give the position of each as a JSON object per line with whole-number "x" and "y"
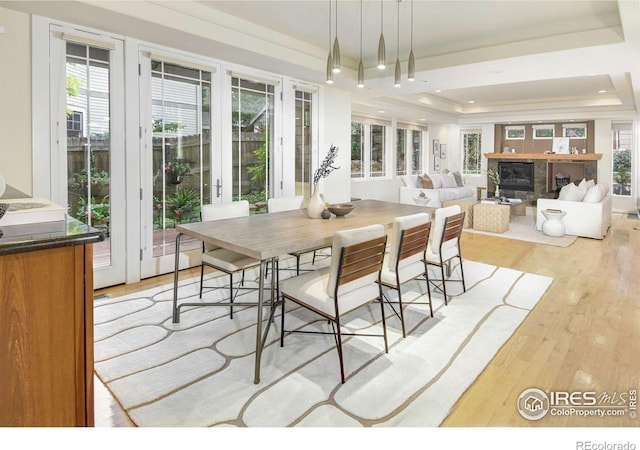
{"x": 553, "y": 156}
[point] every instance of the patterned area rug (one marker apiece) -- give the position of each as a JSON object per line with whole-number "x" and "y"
{"x": 199, "y": 372}
{"x": 523, "y": 228}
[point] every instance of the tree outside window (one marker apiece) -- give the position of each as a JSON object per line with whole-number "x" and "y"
{"x": 471, "y": 152}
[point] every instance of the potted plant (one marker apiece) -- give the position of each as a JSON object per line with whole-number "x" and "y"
{"x": 176, "y": 169}
{"x": 184, "y": 205}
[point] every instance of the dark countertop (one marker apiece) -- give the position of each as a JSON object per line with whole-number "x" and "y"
{"x": 40, "y": 236}
{"x": 43, "y": 235}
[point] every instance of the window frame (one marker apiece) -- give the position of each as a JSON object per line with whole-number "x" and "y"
{"x": 546, "y": 127}
{"x": 464, "y": 147}
{"x": 515, "y": 128}
{"x": 576, "y": 126}
{"x": 366, "y": 157}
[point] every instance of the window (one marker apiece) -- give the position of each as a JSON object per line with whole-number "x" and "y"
{"x": 471, "y": 151}
{"x": 401, "y": 151}
{"x": 514, "y": 132}
{"x": 357, "y": 155}
{"x": 377, "y": 168}
{"x": 574, "y": 130}
{"x": 416, "y": 160}
{"x": 181, "y": 142}
{"x": 368, "y": 150}
{"x": 303, "y": 130}
{"x": 252, "y": 104}
{"x": 543, "y": 131}
{"x": 621, "y": 145}
{"x": 408, "y": 151}
{"x": 74, "y": 124}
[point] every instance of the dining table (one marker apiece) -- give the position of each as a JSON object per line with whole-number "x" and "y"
{"x": 266, "y": 237}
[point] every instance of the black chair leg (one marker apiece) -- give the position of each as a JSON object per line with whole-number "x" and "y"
{"x": 404, "y": 332}
{"x": 444, "y": 283}
{"x": 201, "y": 278}
{"x": 282, "y": 325}
{"x": 339, "y": 347}
{"x": 297, "y": 264}
{"x": 464, "y": 287}
{"x": 384, "y": 322}
{"x": 231, "y": 296}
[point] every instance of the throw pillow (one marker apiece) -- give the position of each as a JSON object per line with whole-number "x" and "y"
{"x": 437, "y": 180}
{"x": 572, "y": 193}
{"x": 448, "y": 181}
{"x": 594, "y": 194}
{"x": 583, "y": 184}
{"x": 458, "y": 178}
{"x": 427, "y": 182}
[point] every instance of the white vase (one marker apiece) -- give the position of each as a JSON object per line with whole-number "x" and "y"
{"x": 316, "y": 205}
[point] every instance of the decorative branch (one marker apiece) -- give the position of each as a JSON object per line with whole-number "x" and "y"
{"x": 327, "y": 165}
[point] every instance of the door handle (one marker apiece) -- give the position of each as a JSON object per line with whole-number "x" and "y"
{"x": 218, "y": 188}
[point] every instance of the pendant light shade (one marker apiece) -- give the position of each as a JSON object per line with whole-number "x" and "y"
{"x": 336, "y": 56}
{"x": 360, "y": 65}
{"x": 360, "y": 75}
{"x": 411, "y": 72}
{"x": 329, "y": 69}
{"x": 329, "y": 74}
{"x": 381, "y": 50}
{"x": 398, "y": 73}
{"x": 336, "y": 47}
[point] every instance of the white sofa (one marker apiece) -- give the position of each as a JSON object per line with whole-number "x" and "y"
{"x": 444, "y": 189}
{"x": 587, "y": 216}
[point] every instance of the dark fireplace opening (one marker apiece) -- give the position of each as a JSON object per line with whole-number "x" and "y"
{"x": 517, "y": 176}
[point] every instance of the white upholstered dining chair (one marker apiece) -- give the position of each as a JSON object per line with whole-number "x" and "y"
{"x": 406, "y": 258}
{"x": 221, "y": 259}
{"x": 287, "y": 204}
{"x": 444, "y": 246}
{"x": 351, "y": 281}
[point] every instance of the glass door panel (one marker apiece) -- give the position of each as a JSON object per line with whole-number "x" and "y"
{"x": 252, "y": 137}
{"x": 181, "y": 151}
{"x": 89, "y": 142}
{"x": 303, "y": 142}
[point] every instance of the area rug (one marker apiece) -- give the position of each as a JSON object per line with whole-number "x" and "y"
{"x": 199, "y": 373}
{"x": 523, "y": 228}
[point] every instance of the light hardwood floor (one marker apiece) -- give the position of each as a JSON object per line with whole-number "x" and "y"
{"x": 584, "y": 334}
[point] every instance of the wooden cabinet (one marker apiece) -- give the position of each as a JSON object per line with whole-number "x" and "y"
{"x": 46, "y": 337}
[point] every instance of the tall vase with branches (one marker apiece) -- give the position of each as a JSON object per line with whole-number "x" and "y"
{"x": 316, "y": 204}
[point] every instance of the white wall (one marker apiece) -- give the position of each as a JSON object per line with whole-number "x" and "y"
{"x": 15, "y": 100}
{"x": 335, "y": 109}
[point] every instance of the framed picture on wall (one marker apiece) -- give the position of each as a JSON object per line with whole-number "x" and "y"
{"x": 443, "y": 151}
{"x": 436, "y": 147}
{"x": 436, "y": 163}
{"x": 561, "y": 145}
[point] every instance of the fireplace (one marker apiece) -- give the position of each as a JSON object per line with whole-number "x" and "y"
{"x": 516, "y": 176}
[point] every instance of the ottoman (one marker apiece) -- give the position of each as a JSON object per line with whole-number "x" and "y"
{"x": 466, "y": 207}
{"x": 491, "y": 217}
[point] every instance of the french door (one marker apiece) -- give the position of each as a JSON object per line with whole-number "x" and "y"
{"x": 87, "y": 140}
{"x": 180, "y": 169}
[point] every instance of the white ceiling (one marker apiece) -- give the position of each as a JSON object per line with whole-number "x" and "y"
{"x": 516, "y": 60}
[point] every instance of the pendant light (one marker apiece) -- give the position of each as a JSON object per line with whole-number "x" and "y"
{"x": 336, "y": 47}
{"x": 330, "y": 58}
{"x": 398, "y": 70}
{"x": 381, "y": 49}
{"x": 360, "y": 65}
{"x": 411, "y": 72}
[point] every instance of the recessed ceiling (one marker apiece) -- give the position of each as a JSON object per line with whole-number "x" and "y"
{"x": 514, "y": 58}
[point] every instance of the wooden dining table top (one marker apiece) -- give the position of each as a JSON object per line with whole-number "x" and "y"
{"x": 266, "y": 236}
